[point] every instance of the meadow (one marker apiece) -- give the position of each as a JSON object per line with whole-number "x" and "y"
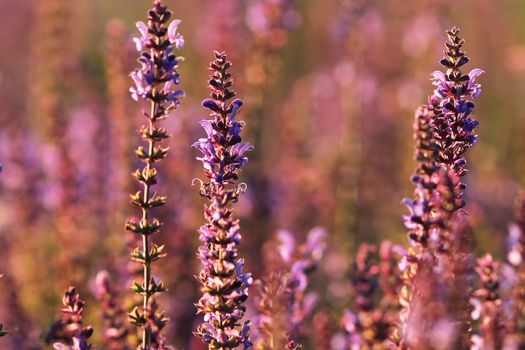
{"x": 262, "y": 174}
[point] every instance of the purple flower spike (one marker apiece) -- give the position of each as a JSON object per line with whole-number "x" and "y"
{"x": 156, "y": 82}
{"x": 159, "y": 65}
{"x": 451, "y": 108}
{"x": 224, "y": 284}
{"x": 440, "y": 255}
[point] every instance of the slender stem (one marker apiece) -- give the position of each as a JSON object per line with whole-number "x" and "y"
{"x": 145, "y": 218}
{"x": 155, "y": 82}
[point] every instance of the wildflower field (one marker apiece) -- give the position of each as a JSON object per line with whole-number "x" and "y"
{"x": 262, "y": 174}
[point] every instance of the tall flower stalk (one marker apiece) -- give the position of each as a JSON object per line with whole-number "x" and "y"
{"x": 438, "y": 265}
{"x": 224, "y": 284}
{"x": 156, "y": 83}
{"x": 451, "y": 107}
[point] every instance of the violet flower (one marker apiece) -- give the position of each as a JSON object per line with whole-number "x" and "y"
{"x": 452, "y": 106}
{"x": 158, "y": 76}
{"x": 155, "y": 82}
{"x": 444, "y": 131}
{"x": 451, "y": 109}
{"x": 224, "y": 284}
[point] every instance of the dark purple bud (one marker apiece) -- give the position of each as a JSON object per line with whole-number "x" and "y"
{"x": 212, "y": 105}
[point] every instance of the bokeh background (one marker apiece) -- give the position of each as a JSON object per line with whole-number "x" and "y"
{"x": 330, "y": 88}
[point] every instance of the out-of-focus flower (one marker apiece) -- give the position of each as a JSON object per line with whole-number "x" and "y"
{"x": 324, "y": 327}
{"x": 301, "y": 260}
{"x": 283, "y": 302}
{"x": 269, "y": 20}
{"x": 489, "y": 308}
{"x": 515, "y": 275}
{"x": 390, "y": 280}
{"x": 369, "y": 325}
{"x": 115, "y": 331}
{"x": 69, "y": 332}
{"x": 421, "y": 33}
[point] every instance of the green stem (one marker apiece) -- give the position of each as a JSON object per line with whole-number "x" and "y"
{"x": 146, "y": 336}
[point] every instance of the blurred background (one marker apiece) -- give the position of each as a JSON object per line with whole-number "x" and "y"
{"x": 330, "y": 88}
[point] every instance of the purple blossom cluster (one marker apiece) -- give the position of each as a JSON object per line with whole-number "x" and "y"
{"x": 452, "y": 107}
{"x": 157, "y": 78}
{"x": 444, "y": 130}
{"x": 224, "y": 284}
